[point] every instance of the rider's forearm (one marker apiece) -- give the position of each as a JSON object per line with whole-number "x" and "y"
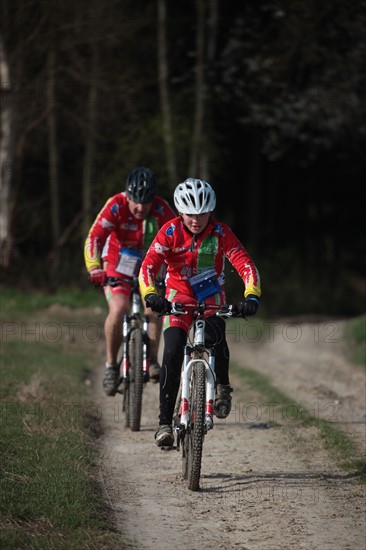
{"x": 148, "y": 273}
{"x": 243, "y": 263}
{"x": 92, "y": 255}
{"x": 146, "y": 288}
{"x": 150, "y": 269}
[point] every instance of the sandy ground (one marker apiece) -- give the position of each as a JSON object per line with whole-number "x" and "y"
{"x": 267, "y": 484}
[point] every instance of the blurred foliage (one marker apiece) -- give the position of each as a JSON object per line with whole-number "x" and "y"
{"x": 284, "y": 132}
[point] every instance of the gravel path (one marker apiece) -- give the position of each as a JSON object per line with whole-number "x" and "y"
{"x": 264, "y": 486}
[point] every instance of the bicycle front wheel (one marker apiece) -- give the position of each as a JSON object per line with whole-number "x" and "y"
{"x": 196, "y": 430}
{"x": 136, "y": 378}
{"x": 126, "y": 402}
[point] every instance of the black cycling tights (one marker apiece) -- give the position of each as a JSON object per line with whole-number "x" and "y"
{"x": 174, "y": 341}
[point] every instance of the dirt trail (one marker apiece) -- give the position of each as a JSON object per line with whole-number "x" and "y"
{"x": 265, "y": 486}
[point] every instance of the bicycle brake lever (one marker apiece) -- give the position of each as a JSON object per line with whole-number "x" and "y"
{"x": 177, "y": 309}
{"x": 226, "y": 310}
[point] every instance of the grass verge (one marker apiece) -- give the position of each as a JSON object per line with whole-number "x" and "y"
{"x": 13, "y": 301}
{"x": 50, "y": 492}
{"x": 356, "y": 335}
{"x": 339, "y": 445}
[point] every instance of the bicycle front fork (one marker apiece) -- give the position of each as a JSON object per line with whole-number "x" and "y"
{"x": 186, "y": 389}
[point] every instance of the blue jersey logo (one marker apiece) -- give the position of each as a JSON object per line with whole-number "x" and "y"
{"x": 218, "y": 229}
{"x": 170, "y": 230}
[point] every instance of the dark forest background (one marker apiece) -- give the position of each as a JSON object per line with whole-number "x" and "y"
{"x": 263, "y": 99}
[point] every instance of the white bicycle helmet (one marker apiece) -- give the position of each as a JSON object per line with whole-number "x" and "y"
{"x": 194, "y": 197}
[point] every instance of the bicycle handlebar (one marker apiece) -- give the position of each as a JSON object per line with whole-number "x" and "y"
{"x": 226, "y": 310}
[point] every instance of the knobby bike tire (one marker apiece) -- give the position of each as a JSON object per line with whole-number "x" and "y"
{"x": 126, "y": 402}
{"x": 196, "y": 431}
{"x": 185, "y": 458}
{"x": 136, "y": 377}
{"x": 126, "y": 399}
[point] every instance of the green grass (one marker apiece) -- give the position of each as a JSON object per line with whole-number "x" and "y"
{"x": 356, "y": 335}
{"x": 12, "y": 299}
{"x": 50, "y": 495}
{"x": 339, "y": 445}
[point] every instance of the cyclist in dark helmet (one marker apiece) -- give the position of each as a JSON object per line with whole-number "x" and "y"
{"x": 115, "y": 246}
{"x": 141, "y": 185}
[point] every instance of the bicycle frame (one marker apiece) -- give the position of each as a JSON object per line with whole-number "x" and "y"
{"x": 130, "y": 321}
{"x": 197, "y": 392}
{"x": 196, "y": 353}
{"x": 134, "y": 361}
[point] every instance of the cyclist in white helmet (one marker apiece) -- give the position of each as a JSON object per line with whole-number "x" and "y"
{"x": 194, "y": 246}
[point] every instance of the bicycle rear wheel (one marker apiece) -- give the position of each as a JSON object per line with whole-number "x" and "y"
{"x": 136, "y": 377}
{"x": 196, "y": 431}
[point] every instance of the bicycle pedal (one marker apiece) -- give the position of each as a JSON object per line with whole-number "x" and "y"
{"x": 168, "y": 448}
{"x": 176, "y": 421}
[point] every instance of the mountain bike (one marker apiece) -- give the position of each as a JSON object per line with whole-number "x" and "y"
{"x": 134, "y": 357}
{"x": 193, "y": 414}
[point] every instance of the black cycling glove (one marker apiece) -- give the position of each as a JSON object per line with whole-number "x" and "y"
{"x": 158, "y": 303}
{"x": 249, "y": 306}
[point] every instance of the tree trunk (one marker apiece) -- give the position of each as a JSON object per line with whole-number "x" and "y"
{"x": 212, "y": 21}
{"x": 52, "y": 149}
{"x": 197, "y": 145}
{"x": 255, "y": 186}
{"x": 91, "y": 131}
{"x": 164, "y": 96}
{"x": 6, "y": 158}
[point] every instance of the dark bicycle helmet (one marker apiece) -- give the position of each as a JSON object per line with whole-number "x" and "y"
{"x": 141, "y": 185}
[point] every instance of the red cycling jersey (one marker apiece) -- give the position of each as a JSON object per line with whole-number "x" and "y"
{"x": 187, "y": 255}
{"x": 116, "y": 234}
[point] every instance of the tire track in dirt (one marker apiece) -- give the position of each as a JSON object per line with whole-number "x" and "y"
{"x": 308, "y": 362}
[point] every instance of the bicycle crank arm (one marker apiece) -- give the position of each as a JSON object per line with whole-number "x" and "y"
{"x": 181, "y": 432}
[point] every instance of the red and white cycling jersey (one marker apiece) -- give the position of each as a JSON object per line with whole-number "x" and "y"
{"x": 115, "y": 229}
{"x": 187, "y": 255}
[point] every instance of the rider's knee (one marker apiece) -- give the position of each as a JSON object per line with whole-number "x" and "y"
{"x": 118, "y": 305}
